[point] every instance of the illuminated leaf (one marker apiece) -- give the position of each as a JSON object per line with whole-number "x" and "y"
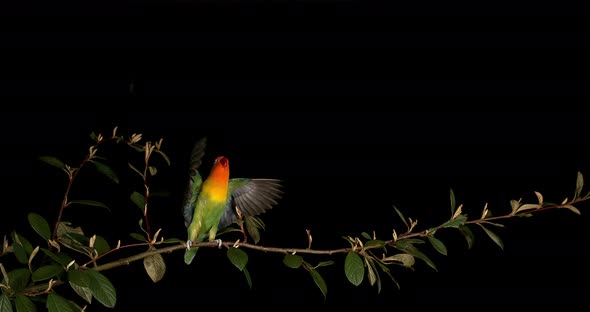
{"x": 354, "y": 268}
{"x": 90, "y": 203}
{"x": 155, "y": 267}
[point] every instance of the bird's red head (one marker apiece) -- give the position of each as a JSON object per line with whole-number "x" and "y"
{"x": 220, "y": 170}
{"x": 221, "y": 161}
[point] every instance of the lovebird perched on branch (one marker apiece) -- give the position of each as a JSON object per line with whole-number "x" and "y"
{"x": 211, "y": 205}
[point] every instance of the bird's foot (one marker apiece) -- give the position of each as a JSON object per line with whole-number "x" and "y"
{"x": 189, "y": 244}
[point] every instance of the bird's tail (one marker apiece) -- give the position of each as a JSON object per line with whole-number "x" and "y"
{"x": 189, "y": 255}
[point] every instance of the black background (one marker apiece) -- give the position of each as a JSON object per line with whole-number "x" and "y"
{"x": 361, "y": 114}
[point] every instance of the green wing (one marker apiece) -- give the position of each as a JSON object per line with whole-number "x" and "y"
{"x": 195, "y": 180}
{"x": 251, "y": 197}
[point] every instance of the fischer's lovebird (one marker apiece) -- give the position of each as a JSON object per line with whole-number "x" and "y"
{"x": 210, "y": 205}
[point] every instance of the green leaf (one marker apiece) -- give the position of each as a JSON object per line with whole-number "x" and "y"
{"x": 56, "y": 303}
{"x": 455, "y": 223}
{"x": 101, "y": 245}
{"x": 20, "y": 253}
{"x": 155, "y": 267}
{"x": 46, "y": 272}
{"x": 248, "y": 278}
{"x": 238, "y": 257}
{"x": 153, "y": 170}
{"x": 79, "y": 277}
{"x": 5, "y": 305}
{"x": 50, "y": 160}
{"x": 19, "y": 279}
{"x": 24, "y": 304}
{"x": 493, "y": 236}
{"x": 93, "y": 136}
{"x": 324, "y": 263}
{"x": 83, "y": 292}
{"x": 173, "y": 240}
{"x": 354, "y": 268}
{"x": 319, "y": 281}
{"x": 375, "y": 242}
{"x": 438, "y": 245}
{"x": 468, "y": 234}
{"x": 418, "y": 254}
{"x": 138, "y": 199}
{"x": 21, "y": 240}
{"x": 292, "y": 261}
{"x": 453, "y": 202}
{"x": 406, "y": 260}
{"x": 40, "y": 225}
{"x": 404, "y": 242}
{"x": 106, "y": 171}
{"x": 399, "y": 213}
{"x": 138, "y": 237}
{"x": 494, "y": 224}
{"x": 579, "y": 185}
{"x": 102, "y": 289}
{"x": 366, "y": 235}
{"x": 90, "y": 203}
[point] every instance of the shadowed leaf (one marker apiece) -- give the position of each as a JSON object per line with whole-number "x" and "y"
{"x": 50, "y": 160}
{"x": 19, "y": 278}
{"x": 247, "y": 276}
{"x": 5, "y": 305}
{"x": 40, "y": 225}
{"x": 138, "y": 237}
{"x": 106, "y": 171}
{"x": 57, "y": 303}
{"x": 468, "y": 234}
{"x": 101, "y": 245}
{"x": 24, "y": 304}
{"x": 46, "y": 272}
{"x": 399, "y": 213}
{"x": 319, "y": 281}
{"x": 138, "y": 199}
{"x": 438, "y": 245}
{"x": 292, "y": 261}
{"x": 453, "y": 202}
{"x": 88, "y": 202}
{"x": 238, "y": 257}
{"x": 493, "y": 236}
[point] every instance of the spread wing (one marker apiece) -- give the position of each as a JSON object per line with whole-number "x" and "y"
{"x": 251, "y": 196}
{"x": 195, "y": 180}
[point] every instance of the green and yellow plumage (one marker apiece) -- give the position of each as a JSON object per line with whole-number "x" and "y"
{"x": 211, "y": 205}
